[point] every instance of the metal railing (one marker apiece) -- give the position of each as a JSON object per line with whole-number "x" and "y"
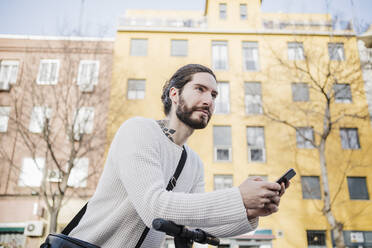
{"x": 166, "y": 22}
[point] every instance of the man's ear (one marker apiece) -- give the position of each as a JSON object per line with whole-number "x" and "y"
{"x": 173, "y": 95}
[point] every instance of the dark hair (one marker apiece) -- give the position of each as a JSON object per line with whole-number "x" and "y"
{"x": 181, "y": 77}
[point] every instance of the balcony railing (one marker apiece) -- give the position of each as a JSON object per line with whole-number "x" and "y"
{"x": 158, "y": 22}
{"x": 366, "y": 56}
{"x": 275, "y": 24}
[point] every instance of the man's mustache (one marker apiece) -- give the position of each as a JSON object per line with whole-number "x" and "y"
{"x": 202, "y": 108}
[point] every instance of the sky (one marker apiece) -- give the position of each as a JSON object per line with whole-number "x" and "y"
{"x": 99, "y": 18}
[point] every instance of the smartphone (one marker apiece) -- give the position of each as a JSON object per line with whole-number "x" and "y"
{"x": 286, "y": 177}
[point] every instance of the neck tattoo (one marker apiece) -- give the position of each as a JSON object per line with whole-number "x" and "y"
{"x": 167, "y": 131}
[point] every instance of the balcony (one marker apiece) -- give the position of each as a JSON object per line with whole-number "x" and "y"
{"x": 366, "y": 56}
{"x": 296, "y": 25}
{"x": 166, "y": 22}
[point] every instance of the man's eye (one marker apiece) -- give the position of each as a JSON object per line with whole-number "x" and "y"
{"x": 214, "y": 96}
{"x": 200, "y": 89}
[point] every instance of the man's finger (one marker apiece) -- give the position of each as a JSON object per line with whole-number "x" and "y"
{"x": 272, "y": 186}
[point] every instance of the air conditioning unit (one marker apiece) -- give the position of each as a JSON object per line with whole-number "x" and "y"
{"x": 34, "y": 228}
{"x": 4, "y": 86}
{"x": 86, "y": 87}
{"x": 54, "y": 176}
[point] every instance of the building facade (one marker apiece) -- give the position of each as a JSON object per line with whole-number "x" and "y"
{"x": 282, "y": 79}
{"x": 53, "y": 116}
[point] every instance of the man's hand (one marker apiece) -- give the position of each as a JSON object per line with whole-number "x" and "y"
{"x": 269, "y": 208}
{"x": 256, "y": 192}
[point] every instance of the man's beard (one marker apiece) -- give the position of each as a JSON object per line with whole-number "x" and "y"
{"x": 184, "y": 114}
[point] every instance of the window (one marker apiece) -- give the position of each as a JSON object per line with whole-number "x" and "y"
{"x": 349, "y": 138}
{"x": 88, "y": 74}
{"x": 305, "y": 137}
{"x": 8, "y": 73}
{"x": 223, "y": 10}
{"x": 4, "y": 118}
{"x": 223, "y": 181}
{"x": 79, "y": 173}
{"x": 222, "y": 143}
{"x": 219, "y": 55}
{"x": 342, "y": 93}
{"x": 357, "y": 239}
{"x": 336, "y": 51}
{"x": 316, "y": 239}
{"x": 256, "y": 144}
{"x": 39, "y": 118}
{"x": 243, "y": 11}
{"x": 83, "y": 121}
{"x": 48, "y": 72}
{"x": 295, "y": 51}
{"x": 311, "y": 187}
{"x": 357, "y": 188}
{"x": 179, "y": 48}
{"x": 31, "y": 172}
{"x": 300, "y": 92}
{"x": 223, "y": 98}
{"x": 136, "y": 88}
{"x": 138, "y": 47}
{"x": 252, "y": 98}
{"x": 250, "y": 56}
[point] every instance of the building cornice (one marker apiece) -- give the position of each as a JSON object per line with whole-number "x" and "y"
{"x": 40, "y": 37}
{"x": 244, "y": 32}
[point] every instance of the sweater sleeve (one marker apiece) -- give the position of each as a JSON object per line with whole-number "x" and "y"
{"x": 229, "y": 230}
{"x": 136, "y": 155}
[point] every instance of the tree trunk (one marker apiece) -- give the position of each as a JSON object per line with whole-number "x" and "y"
{"x": 53, "y": 220}
{"x": 336, "y": 227}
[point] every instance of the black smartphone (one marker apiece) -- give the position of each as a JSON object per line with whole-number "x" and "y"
{"x": 286, "y": 177}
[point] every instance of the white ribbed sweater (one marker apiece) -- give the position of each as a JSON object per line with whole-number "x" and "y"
{"x": 131, "y": 192}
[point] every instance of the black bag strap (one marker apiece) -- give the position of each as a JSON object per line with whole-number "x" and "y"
{"x": 75, "y": 221}
{"x": 172, "y": 183}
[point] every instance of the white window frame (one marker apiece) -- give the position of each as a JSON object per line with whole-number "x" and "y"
{"x": 219, "y": 147}
{"x": 134, "y": 48}
{"x": 31, "y": 172}
{"x": 38, "y": 118}
{"x": 179, "y": 48}
{"x": 296, "y": 51}
{"x": 338, "y": 91}
{"x": 345, "y": 138}
{"x": 243, "y": 11}
{"x": 49, "y": 63}
{"x": 256, "y": 147}
{"x": 302, "y": 139}
{"x": 225, "y": 183}
{"x": 4, "y": 118}
{"x": 91, "y": 78}
{"x": 136, "y": 94}
{"x": 10, "y": 76}
{"x": 223, "y": 98}
{"x": 253, "y": 48}
{"x": 336, "y": 51}
{"x": 83, "y": 121}
{"x": 220, "y": 55}
{"x": 222, "y": 9}
{"x": 252, "y": 99}
{"x": 79, "y": 173}
{"x": 225, "y": 145}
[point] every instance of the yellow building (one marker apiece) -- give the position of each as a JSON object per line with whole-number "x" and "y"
{"x": 278, "y": 75}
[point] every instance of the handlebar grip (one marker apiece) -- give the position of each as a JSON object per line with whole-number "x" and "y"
{"x": 168, "y": 227}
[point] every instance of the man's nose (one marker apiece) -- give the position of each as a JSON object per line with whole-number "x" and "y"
{"x": 208, "y": 100}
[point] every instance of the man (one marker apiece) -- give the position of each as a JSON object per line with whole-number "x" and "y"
{"x": 143, "y": 157}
